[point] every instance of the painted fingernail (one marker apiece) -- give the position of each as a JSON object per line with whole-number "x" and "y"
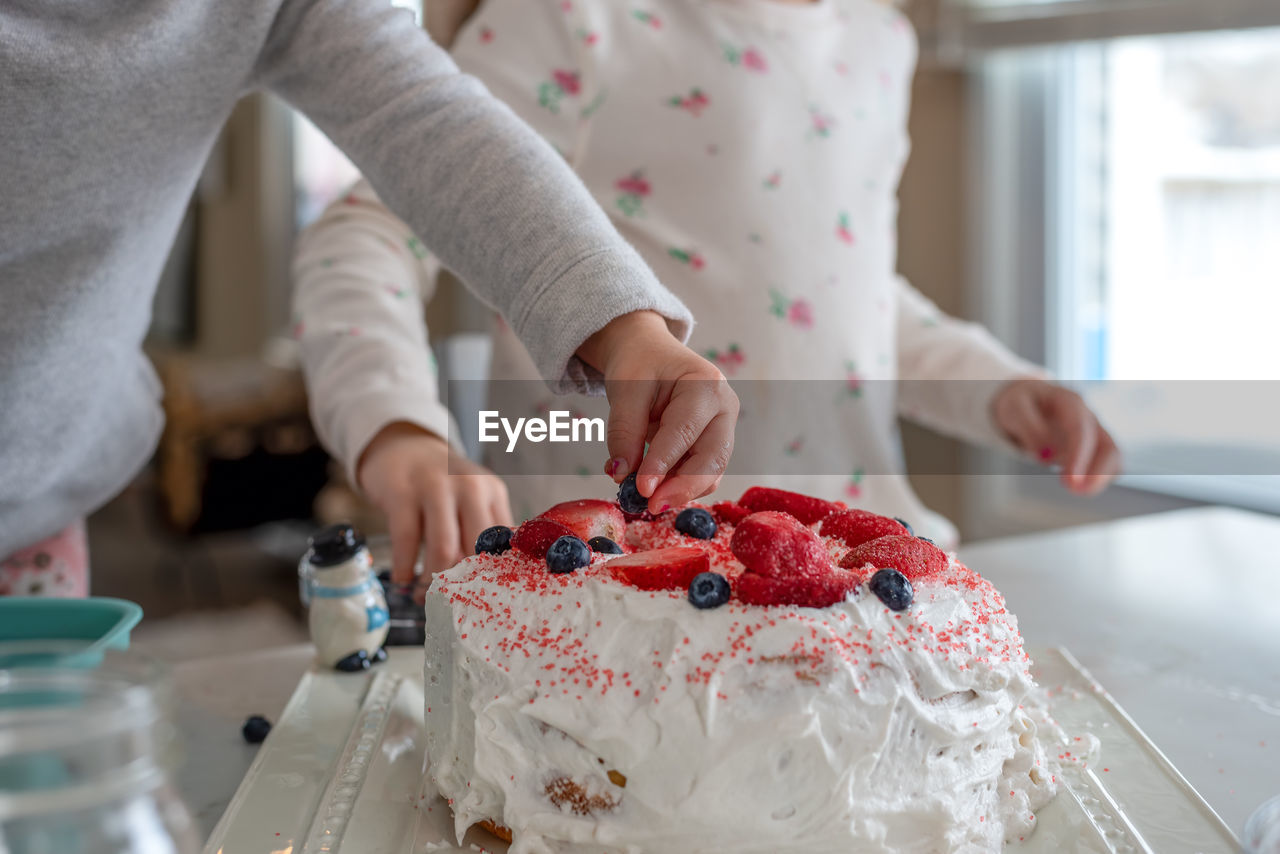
{"x": 665, "y": 508}
{"x": 612, "y": 467}
{"x": 1046, "y": 453}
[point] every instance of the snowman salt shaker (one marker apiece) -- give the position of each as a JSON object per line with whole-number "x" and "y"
{"x": 349, "y": 619}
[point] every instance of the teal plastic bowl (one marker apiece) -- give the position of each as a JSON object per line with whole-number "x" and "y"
{"x": 37, "y": 632}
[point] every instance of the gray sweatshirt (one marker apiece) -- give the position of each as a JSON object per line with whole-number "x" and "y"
{"x": 107, "y": 112}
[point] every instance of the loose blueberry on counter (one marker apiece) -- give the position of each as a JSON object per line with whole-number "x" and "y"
{"x": 696, "y": 522}
{"x": 629, "y": 497}
{"x": 708, "y": 590}
{"x": 604, "y": 546}
{"x": 893, "y": 588}
{"x": 567, "y": 554}
{"x": 494, "y": 541}
{"x": 255, "y": 729}
{"x": 904, "y": 523}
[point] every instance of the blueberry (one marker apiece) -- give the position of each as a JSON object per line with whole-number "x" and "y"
{"x": 567, "y": 554}
{"x": 355, "y": 662}
{"x": 494, "y": 541}
{"x": 604, "y": 546}
{"x": 904, "y": 523}
{"x": 893, "y": 589}
{"x": 708, "y": 590}
{"x": 255, "y": 729}
{"x": 629, "y": 498}
{"x": 696, "y": 522}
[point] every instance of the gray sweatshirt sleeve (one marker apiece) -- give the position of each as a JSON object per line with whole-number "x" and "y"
{"x": 492, "y": 200}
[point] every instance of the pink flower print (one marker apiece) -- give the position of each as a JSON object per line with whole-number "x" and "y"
{"x": 844, "y": 229}
{"x": 297, "y": 328}
{"x": 486, "y": 35}
{"x": 801, "y": 314}
{"x": 749, "y": 58}
{"x": 885, "y": 79}
{"x": 398, "y": 293}
{"x": 647, "y": 18}
{"x": 852, "y": 380}
{"x": 568, "y": 81}
{"x": 797, "y": 312}
{"x": 795, "y": 446}
{"x": 566, "y": 5}
{"x": 853, "y": 488}
{"x": 842, "y": 68}
{"x": 588, "y": 37}
{"x": 688, "y": 256}
{"x": 635, "y": 189}
{"x": 821, "y": 124}
{"x": 728, "y": 360}
{"x": 562, "y": 83}
{"x": 773, "y": 181}
{"x": 752, "y": 60}
{"x": 695, "y": 102}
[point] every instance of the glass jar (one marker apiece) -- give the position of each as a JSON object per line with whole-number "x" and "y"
{"x": 85, "y": 758}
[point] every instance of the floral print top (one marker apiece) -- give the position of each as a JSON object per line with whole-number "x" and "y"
{"x": 750, "y": 150}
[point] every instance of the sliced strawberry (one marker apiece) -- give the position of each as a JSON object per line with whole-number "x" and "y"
{"x": 811, "y": 591}
{"x": 911, "y": 556}
{"x": 777, "y": 544}
{"x": 729, "y": 512}
{"x": 856, "y": 527}
{"x": 661, "y": 569}
{"x": 804, "y": 507}
{"x": 536, "y": 536}
{"x": 589, "y": 517}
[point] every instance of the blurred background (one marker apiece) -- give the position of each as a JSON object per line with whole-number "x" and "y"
{"x": 1098, "y": 181}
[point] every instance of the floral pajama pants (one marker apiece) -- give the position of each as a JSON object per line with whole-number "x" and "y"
{"x": 57, "y": 566}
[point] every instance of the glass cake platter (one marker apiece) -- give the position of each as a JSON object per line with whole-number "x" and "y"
{"x": 343, "y": 773}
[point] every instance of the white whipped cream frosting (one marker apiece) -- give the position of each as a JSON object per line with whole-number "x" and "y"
{"x": 740, "y": 728}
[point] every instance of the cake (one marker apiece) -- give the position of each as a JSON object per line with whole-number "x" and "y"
{"x": 775, "y": 673}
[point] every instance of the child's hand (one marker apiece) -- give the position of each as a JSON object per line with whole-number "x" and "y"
{"x": 431, "y": 495}
{"x": 1054, "y": 425}
{"x": 661, "y": 391}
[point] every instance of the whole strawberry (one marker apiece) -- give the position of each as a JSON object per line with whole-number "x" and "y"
{"x": 777, "y": 544}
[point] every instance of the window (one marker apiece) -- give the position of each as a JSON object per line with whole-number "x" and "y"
{"x": 1184, "y": 174}
{"x": 1128, "y": 218}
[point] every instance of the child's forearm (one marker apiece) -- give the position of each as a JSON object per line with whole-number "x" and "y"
{"x": 357, "y": 315}
{"x": 494, "y": 202}
{"x": 949, "y": 370}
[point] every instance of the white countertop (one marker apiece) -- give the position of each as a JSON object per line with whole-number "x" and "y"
{"x": 1177, "y": 615}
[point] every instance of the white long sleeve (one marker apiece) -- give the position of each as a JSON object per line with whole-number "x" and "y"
{"x": 949, "y": 370}
{"x": 361, "y": 281}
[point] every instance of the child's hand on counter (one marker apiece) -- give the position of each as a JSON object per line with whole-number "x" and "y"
{"x": 430, "y": 494}
{"x": 1055, "y": 426}
{"x": 662, "y": 392}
